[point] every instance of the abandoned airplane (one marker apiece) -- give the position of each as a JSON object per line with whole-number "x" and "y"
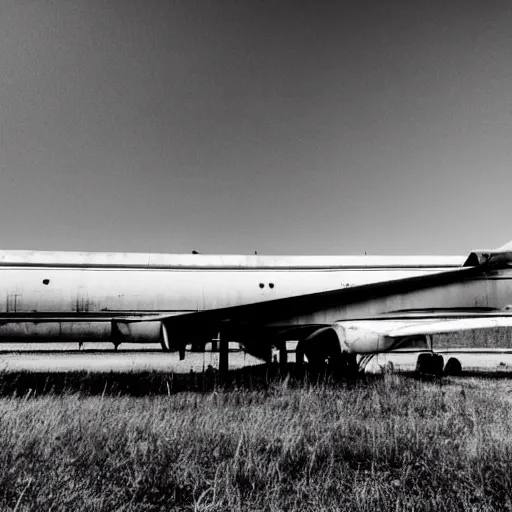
{"x": 335, "y": 306}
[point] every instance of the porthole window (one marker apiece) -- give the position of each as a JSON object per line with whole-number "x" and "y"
{"x": 271, "y": 285}
{"x": 46, "y": 281}
{"x": 261, "y": 285}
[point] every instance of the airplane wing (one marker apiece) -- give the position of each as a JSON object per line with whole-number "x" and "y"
{"x": 370, "y": 337}
{"x": 260, "y": 325}
{"x": 268, "y": 320}
{"x": 275, "y": 309}
{"x": 477, "y": 263}
{"x": 452, "y": 325}
{"x": 374, "y": 335}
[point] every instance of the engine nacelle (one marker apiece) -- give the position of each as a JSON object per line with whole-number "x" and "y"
{"x": 172, "y": 339}
{"x": 138, "y": 332}
{"x": 149, "y": 332}
{"x": 366, "y": 336}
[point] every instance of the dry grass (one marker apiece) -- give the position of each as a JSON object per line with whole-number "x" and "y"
{"x": 391, "y": 443}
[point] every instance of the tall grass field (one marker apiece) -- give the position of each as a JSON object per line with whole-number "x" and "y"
{"x": 383, "y": 443}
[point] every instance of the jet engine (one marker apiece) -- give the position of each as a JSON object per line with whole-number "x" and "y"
{"x": 337, "y": 346}
{"x": 369, "y": 337}
{"x": 138, "y": 332}
{"x": 359, "y": 337}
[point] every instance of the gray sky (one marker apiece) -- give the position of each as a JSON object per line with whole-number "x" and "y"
{"x": 278, "y": 126}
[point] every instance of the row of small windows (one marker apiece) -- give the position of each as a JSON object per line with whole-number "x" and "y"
{"x": 262, "y": 285}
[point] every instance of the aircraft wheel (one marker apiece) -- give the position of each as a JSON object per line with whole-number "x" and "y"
{"x": 453, "y": 367}
{"x": 423, "y": 363}
{"x": 430, "y": 364}
{"x": 437, "y": 364}
{"x": 316, "y": 368}
{"x": 338, "y": 366}
{"x": 350, "y": 365}
{"x": 325, "y": 358}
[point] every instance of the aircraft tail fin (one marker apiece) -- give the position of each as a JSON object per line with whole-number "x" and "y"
{"x": 506, "y": 247}
{"x": 500, "y": 256}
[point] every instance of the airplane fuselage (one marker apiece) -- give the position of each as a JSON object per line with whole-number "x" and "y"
{"x": 47, "y": 282}
{"x": 64, "y": 294}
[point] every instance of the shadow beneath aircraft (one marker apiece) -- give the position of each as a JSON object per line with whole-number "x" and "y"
{"x": 144, "y": 383}
{"x": 147, "y": 383}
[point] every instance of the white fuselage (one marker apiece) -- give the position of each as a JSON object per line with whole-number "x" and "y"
{"x": 50, "y": 296}
{"x": 124, "y": 283}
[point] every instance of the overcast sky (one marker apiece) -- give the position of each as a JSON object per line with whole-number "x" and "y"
{"x": 232, "y": 126}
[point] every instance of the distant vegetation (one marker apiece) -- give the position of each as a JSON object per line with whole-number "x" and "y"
{"x": 385, "y": 443}
{"x": 498, "y": 337}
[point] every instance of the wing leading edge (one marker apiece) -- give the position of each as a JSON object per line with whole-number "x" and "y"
{"x": 383, "y": 335}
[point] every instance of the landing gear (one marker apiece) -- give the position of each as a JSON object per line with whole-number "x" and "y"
{"x": 332, "y": 364}
{"x": 453, "y": 367}
{"x": 430, "y": 364}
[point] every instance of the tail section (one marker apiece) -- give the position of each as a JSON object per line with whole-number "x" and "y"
{"x": 505, "y": 248}
{"x": 502, "y": 256}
